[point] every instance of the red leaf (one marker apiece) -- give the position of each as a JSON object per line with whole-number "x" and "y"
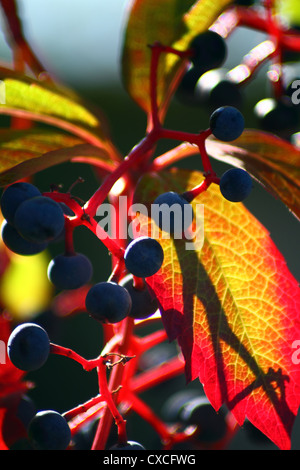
{"x": 274, "y": 162}
{"x": 233, "y": 306}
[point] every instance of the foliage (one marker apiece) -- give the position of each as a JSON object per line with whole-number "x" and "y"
{"x": 228, "y": 300}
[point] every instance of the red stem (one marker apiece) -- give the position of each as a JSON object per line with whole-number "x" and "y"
{"x": 116, "y": 376}
{"x": 87, "y": 364}
{"x": 107, "y": 396}
{"x": 83, "y": 408}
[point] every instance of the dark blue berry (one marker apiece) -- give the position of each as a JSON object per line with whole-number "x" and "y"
{"x": 227, "y": 123}
{"x": 130, "y": 445}
{"x": 16, "y": 243}
{"x": 13, "y": 196}
{"x": 70, "y": 271}
{"x": 216, "y": 89}
{"x": 209, "y": 50}
{"x": 28, "y": 346}
{"x": 143, "y": 303}
{"x": 39, "y": 219}
{"x": 67, "y": 211}
{"x": 211, "y": 425}
{"x": 144, "y": 257}
{"x": 235, "y": 184}
{"x": 277, "y": 116}
{"x": 186, "y": 91}
{"x": 26, "y": 410}
{"x": 108, "y": 302}
{"x": 174, "y": 405}
{"x": 172, "y": 213}
{"x": 49, "y": 430}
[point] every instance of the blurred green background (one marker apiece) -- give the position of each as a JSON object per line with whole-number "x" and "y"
{"x": 80, "y": 43}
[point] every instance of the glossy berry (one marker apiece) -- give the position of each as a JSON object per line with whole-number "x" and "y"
{"x": 14, "y": 242}
{"x": 28, "y": 346}
{"x": 13, "y": 196}
{"x": 235, "y": 184}
{"x": 216, "y": 89}
{"x": 39, "y": 219}
{"x": 48, "y": 430}
{"x": 143, "y": 303}
{"x": 186, "y": 91}
{"x": 227, "y": 123}
{"x": 211, "y": 425}
{"x": 279, "y": 117}
{"x": 130, "y": 445}
{"x": 157, "y": 356}
{"x": 70, "y": 271}
{"x": 26, "y": 410}
{"x": 144, "y": 257}
{"x": 67, "y": 211}
{"x": 172, "y": 213}
{"x": 108, "y": 302}
{"x": 172, "y": 408}
{"x": 209, "y": 50}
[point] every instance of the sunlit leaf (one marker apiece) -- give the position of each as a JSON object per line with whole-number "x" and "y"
{"x": 24, "y": 153}
{"x": 272, "y": 161}
{"x": 170, "y": 22}
{"x": 233, "y": 306}
{"x": 36, "y": 100}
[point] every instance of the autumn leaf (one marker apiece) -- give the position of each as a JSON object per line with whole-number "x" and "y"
{"x": 171, "y": 23}
{"x": 274, "y": 162}
{"x": 233, "y": 306}
{"x": 39, "y": 101}
{"x": 25, "y": 152}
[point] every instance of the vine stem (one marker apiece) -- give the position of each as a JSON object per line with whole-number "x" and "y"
{"x": 87, "y": 364}
{"x": 83, "y": 408}
{"x": 106, "y": 394}
{"x": 115, "y": 379}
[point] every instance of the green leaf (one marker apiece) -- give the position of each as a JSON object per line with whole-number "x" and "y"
{"x": 274, "y": 162}
{"x": 25, "y": 152}
{"x": 38, "y": 101}
{"x": 171, "y": 22}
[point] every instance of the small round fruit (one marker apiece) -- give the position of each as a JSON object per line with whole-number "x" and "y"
{"x": 216, "y": 89}
{"x": 174, "y": 405}
{"x": 211, "y": 424}
{"x": 49, "y": 430}
{"x": 209, "y": 50}
{"x": 227, "y": 123}
{"x": 172, "y": 213}
{"x": 108, "y": 302}
{"x": 14, "y": 242}
{"x": 235, "y": 184}
{"x": 277, "y": 116}
{"x": 143, "y": 303}
{"x": 70, "y": 271}
{"x": 144, "y": 257}
{"x": 39, "y": 219}
{"x": 28, "y": 346}
{"x": 13, "y": 196}
{"x": 130, "y": 445}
